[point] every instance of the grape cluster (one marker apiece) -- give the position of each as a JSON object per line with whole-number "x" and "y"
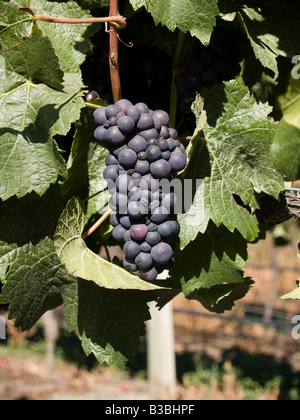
{"x": 207, "y": 66}
{"x": 145, "y": 154}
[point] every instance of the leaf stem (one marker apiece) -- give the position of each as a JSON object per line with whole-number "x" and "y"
{"x": 118, "y": 20}
{"x": 114, "y": 19}
{"x": 176, "y": 69}
{"x": 16, "y": 23}
{"x": 97, "y": 224}
{"x": 90, "y": 105}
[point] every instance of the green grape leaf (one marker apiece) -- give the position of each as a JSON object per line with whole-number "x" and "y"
{"x": 82, "y": 262}
{"x": 286, "y": 144}
{"x": 231, "y": 159}
{"x": 214, "y": 258}
{"x": 30, "y": 116}
{"x": 33, "y": 272}
{"x": 195, "y": 16}
{"x": 271, "y": 27}
{"x": 108, "y": 322}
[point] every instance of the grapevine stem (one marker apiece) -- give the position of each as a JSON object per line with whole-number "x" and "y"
{"x": 118, "y": 20}
{"x": 176, "y": 69}
{"x": 114, "y": 54}
{"x": 113, "y": 19}
{"x": 97, "y": 224}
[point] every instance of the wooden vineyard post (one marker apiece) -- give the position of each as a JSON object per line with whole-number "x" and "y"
{"x": 161, "y": 352}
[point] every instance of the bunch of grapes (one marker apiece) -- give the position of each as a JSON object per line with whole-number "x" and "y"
{"x": 145, "y": 155}
{"x": 207, "y": 66}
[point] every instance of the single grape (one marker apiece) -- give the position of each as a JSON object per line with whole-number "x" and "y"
{"x": 138, "y": 232}
{"x": 159, "y": 215}
{"x": 100, "y": 115}
{"x": 111, "y": 172}
{"x": 153, "y": 153}
{"x": 127, "y": 158}
{"x": 131, "y": 249}
{"x": 144, "y": 260}
{"x": 133, "y": 112}
{"x": 177, "y": 161}
{"x": 153, "y": 238}
{"x": 162, "y": 253}
{"x": 118, "y": 232}
{"x": 123, "y": 105}
{"x": 160, "y": 169}
{"x": 145, "y": 122}
{"x": 92, "y": 96}
{"x": 115, "y": 136}
{"x": 145, "y": 247}
{"x": 100, "y": 133}
{"x": 166, "y": 230}
{"x": 138, "y": 144}
{"x": 125, "y": 221}
{"x": 148, "y": 275}
{"x": 142, "y": 167}
{"x": 126, "y": 124}
{"x": 163, "y": 116}
{"x": 130, "y": 265}
{"x": 111, "y": 111}
{"x": 142, "y": 107}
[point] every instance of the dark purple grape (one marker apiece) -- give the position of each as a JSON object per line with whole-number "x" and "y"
{"x": 138, "y": 232}
{"x": 193, "y": 82}
{"x": 148, "y": 134}
{"x": 144, "y": 260}
{"x": 163, "y": 145}
{"x": 164, "y": 132}
{"x": 138, "y": 144}
{"x": 131, "y": 249}
{"x": 153, "y": 238}
{"x": 153, "y": 153}
{"x": 177, "y": 161}
{"x": 148, "y": 275}
{"x": 111, "y": 111}
{"x": 145, "y": 122}
{"x": 111, "y": 172}
{"x": 163, "y": 116}
{"x": 166, "y": 230}
{"x": 160, "y": 169}
{"x": 92, "y": 96}
{"x": 159, "y": 215}
{"x": 100, "y": 133}
{"x": 115, "y": 136}
{"x": 142, "y": 167}
{"x": 118, "y": 232}
{"x": 142, "y": 107}
{"x": 130, "y": 265}
{"x": 126, "y": 124}
{"x": 114, "y": 219}
{"x": 210, "y": 77}
{"x": 162, "y": 253}
{"x": 133, "y": 112}
{"x": 123, "y": 105}
{"x": 100, "y": 115}
{"x": 125, "y": 221}
{"x": 127, "y": 158}
{"x": 145, "y": 247}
